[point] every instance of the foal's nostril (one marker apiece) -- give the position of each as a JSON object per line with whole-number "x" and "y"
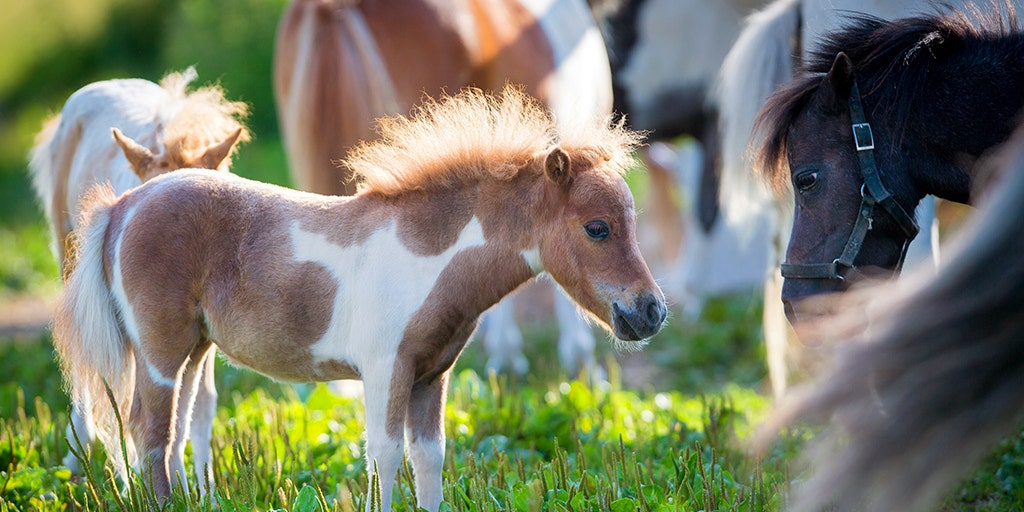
{"x": 655, "y": 313}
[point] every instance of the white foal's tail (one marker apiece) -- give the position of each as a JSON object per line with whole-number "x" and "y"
{"x": 88, "y": 335}
{"x": 760, "y": 60}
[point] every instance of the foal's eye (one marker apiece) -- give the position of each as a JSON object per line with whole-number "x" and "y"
{"x": 597, "y": 229}
{"x": 805, "y": 180}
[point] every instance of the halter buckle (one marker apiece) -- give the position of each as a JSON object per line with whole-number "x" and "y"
{"x": 862, "y": 136}
{"x": 836, "y": 264}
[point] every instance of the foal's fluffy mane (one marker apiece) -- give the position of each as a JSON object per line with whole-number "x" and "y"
{"x": 474, "y": 134}
{"x": 204, "y": 116}
{"x": 890, "y": 58}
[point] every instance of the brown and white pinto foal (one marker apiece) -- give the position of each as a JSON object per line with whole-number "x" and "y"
{"x": 457, "y": 207}
{"x": 159, "y": 128}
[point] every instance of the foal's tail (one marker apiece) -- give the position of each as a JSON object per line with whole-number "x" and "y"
{"x": 88, "y": 335}
{"x": 760, "y": 60}
{"x": 331, "y": 83}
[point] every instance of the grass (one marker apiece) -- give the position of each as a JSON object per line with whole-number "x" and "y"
{"x": 540, "y": 443}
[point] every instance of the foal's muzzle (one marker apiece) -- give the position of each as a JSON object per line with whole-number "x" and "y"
{"x": 639, "y": 320}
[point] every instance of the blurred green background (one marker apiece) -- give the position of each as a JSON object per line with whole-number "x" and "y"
{"x": 51, "y": 48}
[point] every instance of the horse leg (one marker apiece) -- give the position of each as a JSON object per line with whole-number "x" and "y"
{"x": 386, "y": 389}
{"x": 80, "y": 435}
{"x": 425, "y": 432}
{"x": 502, "y": 339}
{"x": 575, "y": 339}
{"x": 203, "y": 412}
{"x": 158, "y": 406}
{"x": 192, "y": 387}
{"x": 664, "y": 207}
{"x": 707, "y": 197}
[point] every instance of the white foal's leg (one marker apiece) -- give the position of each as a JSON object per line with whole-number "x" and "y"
{"x": 384, "y": 439}
{"x": 575, "y": 339}
{"x": 203, "y": 412}
{"x": 502, "y": 339}
{"x": 184, "y": 404}
{"x": 85, "y": 436}
{"x": 425, "y": 432}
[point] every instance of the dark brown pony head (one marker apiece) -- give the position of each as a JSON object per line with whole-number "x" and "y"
{"x": 931, "y": 116}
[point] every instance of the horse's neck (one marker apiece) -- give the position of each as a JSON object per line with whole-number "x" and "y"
{"x": 967, "y": 107}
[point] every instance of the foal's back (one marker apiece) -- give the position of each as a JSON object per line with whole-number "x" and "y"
{"x": 75, "y": 149}
{"x": 167, "y": 126}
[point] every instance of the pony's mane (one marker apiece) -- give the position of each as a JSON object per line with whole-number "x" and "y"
{"x": 890, "y": 58}
{"x": 203, "y": 117}
{"x": 475, "y": 134}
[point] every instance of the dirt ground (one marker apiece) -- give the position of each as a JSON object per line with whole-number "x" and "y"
{"x": 24, "y": 316}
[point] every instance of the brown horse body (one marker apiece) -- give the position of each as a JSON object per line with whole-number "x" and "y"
{"x": 340, "y": 65}
{"x": 467, "y": 201}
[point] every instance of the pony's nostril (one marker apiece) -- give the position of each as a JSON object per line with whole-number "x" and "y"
{"x": 654, "y": 313}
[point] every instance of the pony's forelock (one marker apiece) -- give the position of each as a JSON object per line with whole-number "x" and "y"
{"x": 474, "y": 133}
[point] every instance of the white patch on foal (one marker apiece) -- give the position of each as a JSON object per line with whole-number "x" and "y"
{"x": 532, "y": 257}
{"x": 381, "y": 285}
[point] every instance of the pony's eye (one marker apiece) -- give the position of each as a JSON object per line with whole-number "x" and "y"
{"x": 805, "y": 180}
{"x": 597, "y": 229}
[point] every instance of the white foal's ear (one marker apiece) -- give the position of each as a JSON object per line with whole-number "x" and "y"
{"x": 557, "y": 166}
{"x": 138, "y": 155}
{"x": 216, "y": 153}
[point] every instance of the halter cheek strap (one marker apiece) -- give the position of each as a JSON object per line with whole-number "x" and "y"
{"x": 873, "y": 192}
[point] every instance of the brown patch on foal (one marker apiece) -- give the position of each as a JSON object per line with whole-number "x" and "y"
{"x": 239, "y": 277}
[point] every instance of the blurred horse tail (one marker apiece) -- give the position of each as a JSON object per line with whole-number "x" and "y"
{"x": 331, "y": 79}
{"x": 761, "y": 59}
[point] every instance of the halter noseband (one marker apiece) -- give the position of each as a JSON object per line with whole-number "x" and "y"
{"x": 872, "y": 192}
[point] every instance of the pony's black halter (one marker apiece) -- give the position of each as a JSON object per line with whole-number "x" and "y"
{"x": 872, "y": 192}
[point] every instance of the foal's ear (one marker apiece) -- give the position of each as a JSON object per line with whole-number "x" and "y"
{"x": 216, "y": 153}
{"x": 557, "y": 165}
{"x": 839, "y": 80}
{"x": 138, "y": 155}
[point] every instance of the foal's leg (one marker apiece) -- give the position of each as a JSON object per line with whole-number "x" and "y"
{"x": 575, "y": 339}
{"x": 162, "y": 361}
{"x": 190, "y": 397}
{"x": 386, "y": 400}
{"x": 84, "y": 434}
{"x": 203, "y": 413}
{"x": 425, "y": 432}
{"x": 502, "y": 339}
